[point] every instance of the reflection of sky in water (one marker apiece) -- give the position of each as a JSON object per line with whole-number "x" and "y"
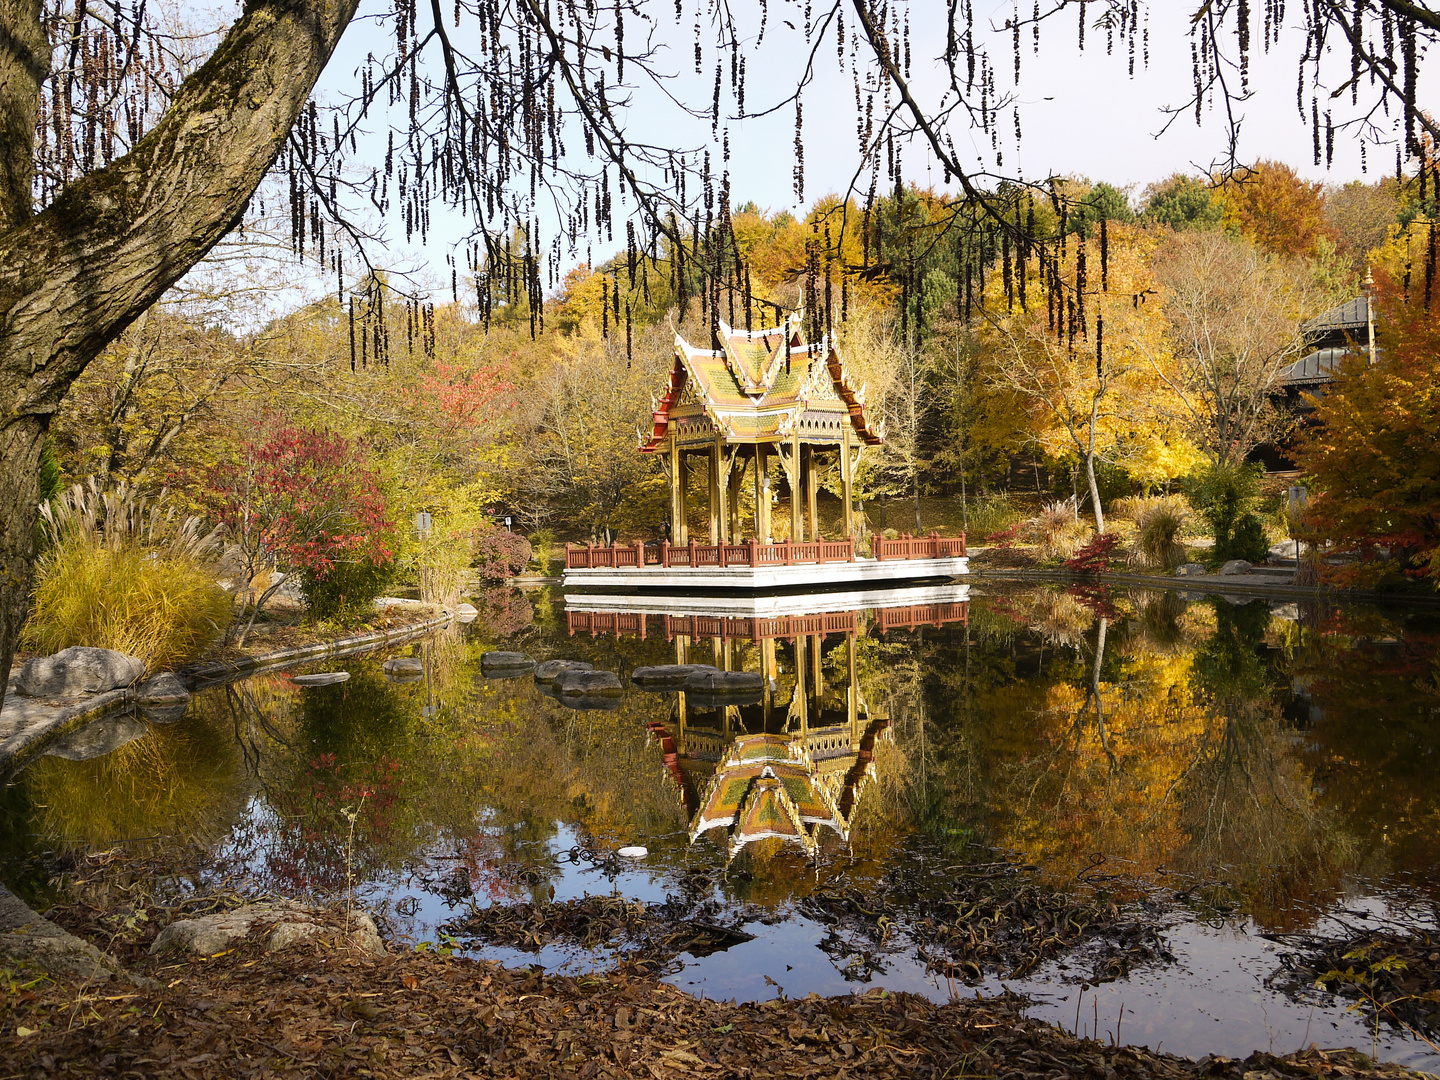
{"x": 1354, "y": 701}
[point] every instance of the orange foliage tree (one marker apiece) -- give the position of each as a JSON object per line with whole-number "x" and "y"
{"x": 1374, "y": 454}
{"x": 1275, "y": 208}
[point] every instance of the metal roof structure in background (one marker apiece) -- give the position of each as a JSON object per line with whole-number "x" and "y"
{"x": 1351, "y": 315}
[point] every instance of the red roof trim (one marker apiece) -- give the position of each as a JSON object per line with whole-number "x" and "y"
{"x": 661, "y": 416}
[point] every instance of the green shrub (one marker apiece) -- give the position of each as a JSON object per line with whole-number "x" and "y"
{"x": 542, "y": 542}
{"x": 1226, "y": 494}
{"x": 347, "y": 590}
{"x": 119, "y": 572}
{"x": 1247, "y": 541}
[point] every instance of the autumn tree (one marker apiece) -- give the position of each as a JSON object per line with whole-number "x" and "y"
{"x": 1083, "y": 366}
{"x": 1233, "y": 315}
{"x": 1276, "y": 209}
{"x": 308, "y": 503}
{"x": 1373, "y": 454}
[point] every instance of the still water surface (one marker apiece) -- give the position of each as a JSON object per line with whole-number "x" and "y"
{"x": 1248, "y": 768}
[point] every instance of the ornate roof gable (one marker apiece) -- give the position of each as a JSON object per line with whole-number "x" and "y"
{"x": 757, "y": 386}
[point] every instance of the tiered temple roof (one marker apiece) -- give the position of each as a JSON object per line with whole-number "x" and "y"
{"x": 765, "y": 385}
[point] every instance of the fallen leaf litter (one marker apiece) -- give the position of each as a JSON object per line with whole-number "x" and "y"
{"x": 313, "y": 1012}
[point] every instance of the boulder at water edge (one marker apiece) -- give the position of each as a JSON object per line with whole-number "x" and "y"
{"x": 403, "y": 665}
{"x": 716, "y": 689}
{"x": 1234, "y": 567}
{"x": 666, "y": 676}
{"x": 1190, "y": 569}
{"x": 163, "y": 699}
{"x": 466, "y": 613}
{"x": 284, "y": 923}
{"x": 549, "y": 670}
{"x": 79, "y": 669}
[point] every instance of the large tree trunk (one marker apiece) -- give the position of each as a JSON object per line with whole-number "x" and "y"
{"x": 74, "y": 276}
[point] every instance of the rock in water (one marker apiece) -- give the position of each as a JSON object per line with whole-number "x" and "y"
{"x": 287, "y": 923}
{"x": 79, "y": 669}
{"x": 505, "y": 665}
{"x": 164, "y": 689}
{"x": 726, "y": 682}
{"x": 323, "y": 678}
{"x": 588, "y": 684}
{"x": 403, "y": 665}
{"x": 666, "y": 676}
{"x": 549, "y": 670}
{"x": 465, "y": 613}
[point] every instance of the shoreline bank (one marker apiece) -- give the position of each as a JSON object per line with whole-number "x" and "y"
{"x": 29, "y": 725}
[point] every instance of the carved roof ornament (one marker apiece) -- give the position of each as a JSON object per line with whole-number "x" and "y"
{"x": 763, "y": 386}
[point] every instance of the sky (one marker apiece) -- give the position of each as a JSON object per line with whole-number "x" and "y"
{"x": 1082, "y": 113}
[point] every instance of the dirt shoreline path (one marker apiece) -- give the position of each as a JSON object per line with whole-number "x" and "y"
{"x": 322, "y": 1011}
{"x": 28, "y": 725}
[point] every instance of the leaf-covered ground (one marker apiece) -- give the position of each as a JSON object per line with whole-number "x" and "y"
{"x": 312, "y": 1011}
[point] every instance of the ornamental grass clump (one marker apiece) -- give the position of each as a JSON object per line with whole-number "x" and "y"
{"x": 124, "y": 572}
{"x": 1159, "y": 521}
{"x": 1060, "y": 530}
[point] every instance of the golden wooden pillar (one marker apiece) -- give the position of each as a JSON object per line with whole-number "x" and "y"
{"x": 682, "y": 481}
{"x": 847, "y": 481}
{"x": 762, "y": 492}
{"x": 713, "y": 491}
{"x": 811, "y": 489}
{"x": 797, "y": 477}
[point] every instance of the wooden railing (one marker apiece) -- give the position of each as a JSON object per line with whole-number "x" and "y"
{"x": 749, "y": 553}
{"x": 906, "y": 546}
{"x": 908, "y": 618}
{"x": 750, "y": 628}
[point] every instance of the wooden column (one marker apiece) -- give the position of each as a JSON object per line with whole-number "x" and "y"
{"x": 767, "y": 672}
{"x": 811, "y": 488}
{"x": 713, "y": 490}
{"x": 682, "y": 480}
{"x": 847, "y": 482}
{"x": 736, "y": 482}
{"x": 762, "y": 492}
{"x": 797, "y": 483}
{"x": 672, "y": 474}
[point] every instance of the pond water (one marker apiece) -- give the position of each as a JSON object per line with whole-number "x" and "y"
{"x": 1237, "y": 773}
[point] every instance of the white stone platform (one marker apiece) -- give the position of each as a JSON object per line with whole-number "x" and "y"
{"x": 769, "y": 606}
{"x": 860, "y": 574}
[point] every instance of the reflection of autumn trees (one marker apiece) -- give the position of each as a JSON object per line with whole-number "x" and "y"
{"x": 1369, "y": 697}
{"x": 1155, "y": 740}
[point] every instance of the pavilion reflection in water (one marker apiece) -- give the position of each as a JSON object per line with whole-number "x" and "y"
{"x": 794, "y": 758}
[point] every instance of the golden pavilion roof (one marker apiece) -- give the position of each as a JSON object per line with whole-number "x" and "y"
{"x": 762, "y": 386}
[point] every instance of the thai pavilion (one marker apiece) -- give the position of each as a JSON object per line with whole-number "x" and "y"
{"x": 765, "y": 396}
